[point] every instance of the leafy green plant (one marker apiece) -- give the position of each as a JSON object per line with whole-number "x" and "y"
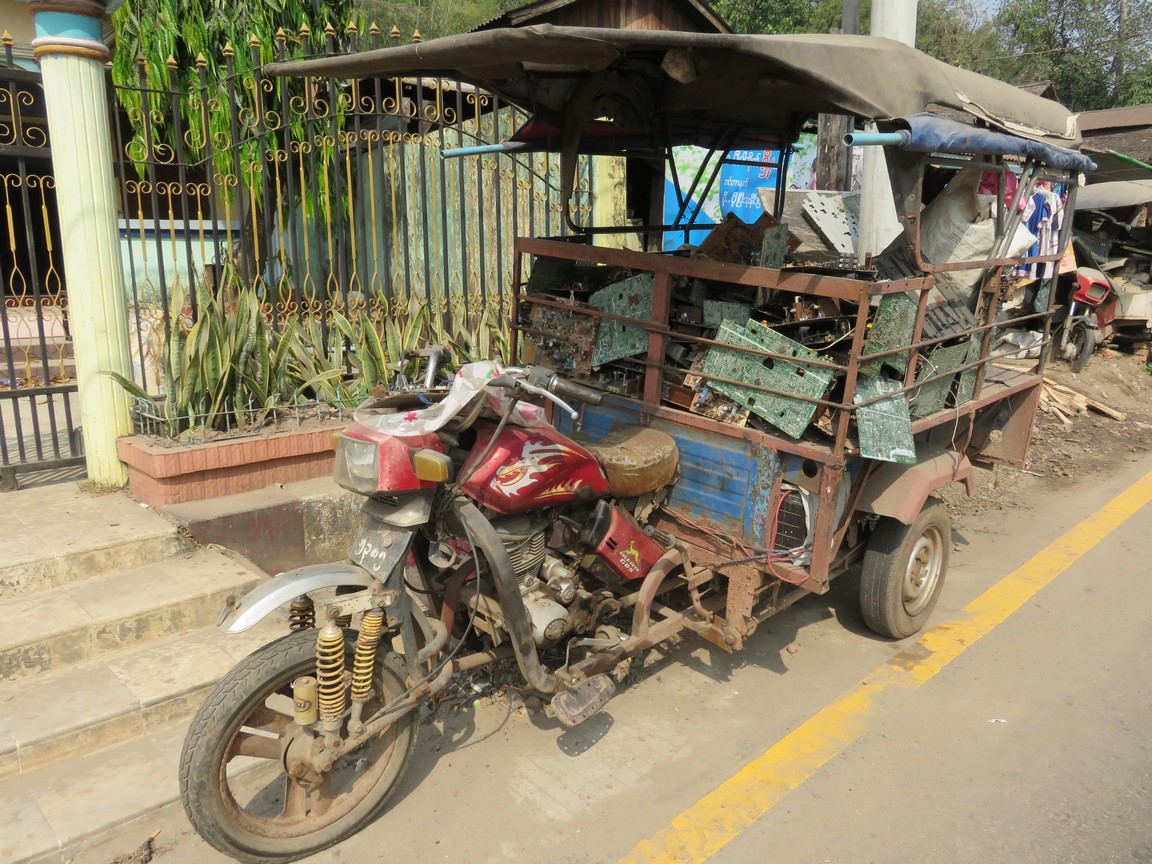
{"x": 484, "y": 338}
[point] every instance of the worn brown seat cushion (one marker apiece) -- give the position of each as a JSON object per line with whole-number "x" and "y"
{"x": 637, "y": 460}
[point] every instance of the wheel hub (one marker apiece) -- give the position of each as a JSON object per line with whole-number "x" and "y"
{"x": 923, "y": 571}
{"x": 297, "y": 759}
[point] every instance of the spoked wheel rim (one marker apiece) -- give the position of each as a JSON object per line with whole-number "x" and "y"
{"x": 922, "y": 574}
{"x": 265, "y": 801}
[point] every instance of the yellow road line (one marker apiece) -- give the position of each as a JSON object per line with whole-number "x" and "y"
{"x": 707, "y": 826}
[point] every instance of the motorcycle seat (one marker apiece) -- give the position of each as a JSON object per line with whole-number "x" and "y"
{"x": 637, "y": 460}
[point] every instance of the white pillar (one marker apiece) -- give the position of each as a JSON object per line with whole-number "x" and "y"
{"x": 879, "y": 224}
{"x": 72, "y": 59}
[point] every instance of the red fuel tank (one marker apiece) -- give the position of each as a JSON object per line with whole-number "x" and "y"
{"x": 531, "y": 468}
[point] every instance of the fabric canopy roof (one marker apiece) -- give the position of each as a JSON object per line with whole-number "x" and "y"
{"x": 693, "y": 85}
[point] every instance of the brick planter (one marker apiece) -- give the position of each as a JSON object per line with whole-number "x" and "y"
{"x": 172, "y": 474}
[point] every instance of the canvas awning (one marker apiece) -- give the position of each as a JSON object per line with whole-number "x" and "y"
{"x": 1123, "y": 193}
{"x": 692, "y": 86}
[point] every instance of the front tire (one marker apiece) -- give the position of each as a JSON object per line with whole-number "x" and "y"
{"x": 1081, "y": 344}
{"x": 903, "y": 571}
{"x": 260, "y": 815}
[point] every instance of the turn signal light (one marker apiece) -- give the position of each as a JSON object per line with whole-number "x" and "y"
{"x": 432, "y": 466}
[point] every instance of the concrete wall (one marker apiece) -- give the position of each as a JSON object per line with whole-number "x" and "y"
{"x": 14, "y": 18}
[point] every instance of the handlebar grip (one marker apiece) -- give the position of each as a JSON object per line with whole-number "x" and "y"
{"x": 577, "y": 392}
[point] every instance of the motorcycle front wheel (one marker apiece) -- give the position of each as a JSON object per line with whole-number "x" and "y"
{"x": 232, "y": 779}
{"x": 1081, "y": 344}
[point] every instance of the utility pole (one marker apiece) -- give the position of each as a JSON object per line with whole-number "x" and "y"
{"x": 834, "y": 157}
{"x": 879, "y": 225}
{"x": 72, "y": 55}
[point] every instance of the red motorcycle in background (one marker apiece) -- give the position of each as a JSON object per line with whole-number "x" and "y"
{"x": 1090, "y": 319}
{"x": 487, "y": 534}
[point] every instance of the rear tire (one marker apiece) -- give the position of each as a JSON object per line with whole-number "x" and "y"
{"x": 244, "y": 824}
{"x": 903, "y": 571}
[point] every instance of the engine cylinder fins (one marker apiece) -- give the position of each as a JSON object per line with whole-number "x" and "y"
{"x": 526, "y": 543}
{"x": 331, "y": 693}
{"x": 371, "y": 625}
{"x": 302, "y": 614}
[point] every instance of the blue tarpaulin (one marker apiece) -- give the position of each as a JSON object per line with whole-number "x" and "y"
{"x": 931, "y": 133}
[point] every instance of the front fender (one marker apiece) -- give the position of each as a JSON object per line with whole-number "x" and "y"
{"x": 269, "y": 596}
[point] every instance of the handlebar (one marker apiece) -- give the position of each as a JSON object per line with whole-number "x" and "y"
{"x": 542, "y": 376}
{"x": 542, "y": 381}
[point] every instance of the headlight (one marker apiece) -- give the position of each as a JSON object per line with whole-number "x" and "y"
{"x": 357, "y": 465}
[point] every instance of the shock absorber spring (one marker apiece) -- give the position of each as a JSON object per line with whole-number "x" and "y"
{"x": 344, "y": 621}
{"x": 370, "y": 626}
{"x": 330, "y": 687}
{"x": 302, "y": 614}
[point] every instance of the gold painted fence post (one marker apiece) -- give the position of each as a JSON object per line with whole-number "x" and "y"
{"x": 72, "y": 57}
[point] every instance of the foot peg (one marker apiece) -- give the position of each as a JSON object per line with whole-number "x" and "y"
{"x": 575, "y": 705}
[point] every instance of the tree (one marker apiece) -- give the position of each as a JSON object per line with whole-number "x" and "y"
{"x": 1098, "y": 52}
{"x": 433, "y": 18}
{"x": 781, "y": 16}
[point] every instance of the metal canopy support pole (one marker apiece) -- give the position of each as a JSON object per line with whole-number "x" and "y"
{"x": 72, "y": 57}
{"x": 893, "y": 19}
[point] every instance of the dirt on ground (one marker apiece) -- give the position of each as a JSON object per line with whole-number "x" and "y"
{"x": 1062, "y": 456}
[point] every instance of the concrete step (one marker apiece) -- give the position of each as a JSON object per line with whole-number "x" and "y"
{"x": 61, "y": 805}
{"x": 117, "y": 696}
{"x": 78, "y": 621}
{"x": 56, "y": 535}
{"x": 52, "y": 814}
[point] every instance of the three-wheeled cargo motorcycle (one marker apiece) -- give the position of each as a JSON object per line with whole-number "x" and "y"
{"x": 682, "y": 442}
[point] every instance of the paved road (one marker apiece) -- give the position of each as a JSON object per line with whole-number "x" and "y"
{"x": 1032, "y": 745}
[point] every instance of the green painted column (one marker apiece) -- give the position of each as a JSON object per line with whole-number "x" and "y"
{"x": 72, "y": 56}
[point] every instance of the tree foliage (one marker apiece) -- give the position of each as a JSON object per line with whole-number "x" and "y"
{"x": 1098, "y": 53}
{"x": 432, "y": 18}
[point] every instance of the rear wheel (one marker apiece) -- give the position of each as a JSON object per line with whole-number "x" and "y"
{"x": 232, "y": 779}
{"x": 903, "y": 571}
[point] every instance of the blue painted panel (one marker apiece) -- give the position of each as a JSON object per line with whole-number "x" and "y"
{"x": 67, "y": 24}
{"x": 724, "y": 481}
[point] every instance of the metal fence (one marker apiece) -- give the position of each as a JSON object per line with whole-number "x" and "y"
{"x": 318, "y": 199}
{"x": 38, "y": 414}
{"x": 325, "y": 196}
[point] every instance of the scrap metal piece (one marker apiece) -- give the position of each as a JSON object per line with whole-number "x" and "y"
{"x": 562, "y": 339}
{"x": 929, "y": 398}
{"x": 716, "y": 312}
{"x": 631, "y": 298}
{"x": 576, "y": 704}
{"x": 946, "y": 314}
{"x": 711, "y": 404}
{"x": 774, "y": 247}
{"x": 551, "y": 276}
{"x": 892, "y": 326}
{"x": 834, "y": 219}
{"x": 967, "y": 385}
{"x": 884, "y": 427}
{"x": 790, "y": 416}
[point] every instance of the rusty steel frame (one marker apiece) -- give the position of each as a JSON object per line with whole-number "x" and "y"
{"x": 753, "y": 592}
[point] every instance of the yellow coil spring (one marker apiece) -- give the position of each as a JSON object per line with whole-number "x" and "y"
{"x": 370, "y": 626}
{"x": 330, "y": 692}
{"x": 301, "y": 614}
